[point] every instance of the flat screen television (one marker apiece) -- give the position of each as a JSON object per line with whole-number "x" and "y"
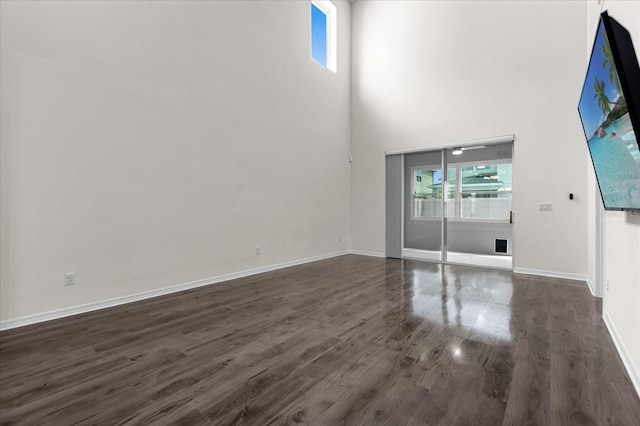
{"x": 609, "y": 109}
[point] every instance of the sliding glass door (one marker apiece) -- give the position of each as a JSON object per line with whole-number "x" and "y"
{"x": 478, "y": 226}
{"x": 457, "y": 206}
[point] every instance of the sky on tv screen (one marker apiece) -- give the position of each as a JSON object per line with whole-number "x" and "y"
{"x": 612, "y": 142}
{"x": 592, "y": 114}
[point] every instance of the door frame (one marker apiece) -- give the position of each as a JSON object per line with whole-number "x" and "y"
{"x": 393, "y": 185}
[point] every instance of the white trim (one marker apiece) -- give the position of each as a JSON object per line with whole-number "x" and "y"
{"x": 368, "y": 253}
{"x": 486, "y": 141}
{"x": 627, "y": 360}
{"x": 512, "y": 213}
{"x": 94, "y": 306}
{"x": 551, "y": 274}
{"x": 402, "y": 200}
{"x": 599, "y": 241}
{"x": 592, "y": 288}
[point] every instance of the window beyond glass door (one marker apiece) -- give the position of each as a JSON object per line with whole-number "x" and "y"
{"x": 426, "y": 193}
{"x": 485, "y": 191}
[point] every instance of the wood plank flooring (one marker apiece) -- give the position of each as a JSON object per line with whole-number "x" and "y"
{"x": 350, "y": 340}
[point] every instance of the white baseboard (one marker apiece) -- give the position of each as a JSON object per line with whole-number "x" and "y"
{"x": 592, "y": 287}
{"x": 551, "y": 274}
{"x": 368, "y": 253}
{"x": 632, "y": 370}
{"x": 102, "y": 304}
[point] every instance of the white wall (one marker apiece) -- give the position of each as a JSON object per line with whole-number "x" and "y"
{"x": 428, "y": 73}
{"x": 149, "y": 144}
{"x": 621, "y": 302}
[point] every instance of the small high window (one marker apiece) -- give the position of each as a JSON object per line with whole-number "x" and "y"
{"x": 323, "y": 33}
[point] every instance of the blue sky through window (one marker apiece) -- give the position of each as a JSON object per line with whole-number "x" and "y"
{"x": 437, "y": 176}
{"x": 318, "y": 35}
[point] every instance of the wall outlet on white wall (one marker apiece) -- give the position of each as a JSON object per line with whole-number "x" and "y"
{"x": 257, "y": 250}
{"x": 70, "y": 278}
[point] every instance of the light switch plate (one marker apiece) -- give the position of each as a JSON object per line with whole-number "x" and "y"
{"x": 545, "y": 207}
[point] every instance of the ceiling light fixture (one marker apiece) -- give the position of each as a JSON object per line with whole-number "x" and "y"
{"x": 460, "y": 150}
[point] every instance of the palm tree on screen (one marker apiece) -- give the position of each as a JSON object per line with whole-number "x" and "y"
{"x": 601, "y": 96}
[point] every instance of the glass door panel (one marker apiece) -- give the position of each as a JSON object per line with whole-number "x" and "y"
{"x": 478, "y": 229}
{"x": 423, "y": 206}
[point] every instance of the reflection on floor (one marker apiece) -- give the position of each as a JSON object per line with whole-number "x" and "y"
{"x": 466, "y": 303}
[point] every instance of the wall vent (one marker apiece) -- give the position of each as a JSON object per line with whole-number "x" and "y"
{"x": 502, "y": 245}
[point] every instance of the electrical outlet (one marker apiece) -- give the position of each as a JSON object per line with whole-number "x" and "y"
{"x": 257, "y": 250}
{"x": 607, "y": 285}
{"x": 70, "y": 278}
{"x": 545, "y": 207}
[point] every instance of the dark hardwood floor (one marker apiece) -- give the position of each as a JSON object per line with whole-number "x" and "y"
{"x": 350, "y": 340}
